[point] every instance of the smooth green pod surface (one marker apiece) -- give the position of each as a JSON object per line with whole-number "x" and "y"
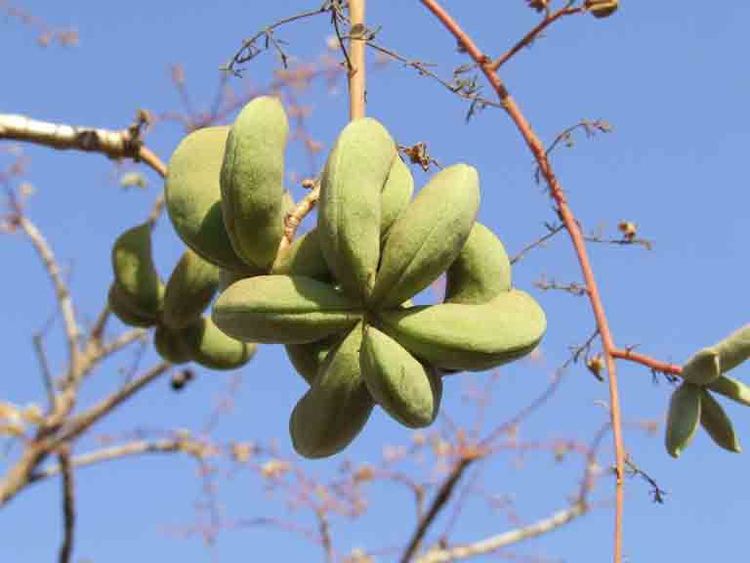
{"x": 481, "y": 271}
{"x": 399, "y": 382}
{"x": 428, "y": 236}
{"x": 283, "y": 310}
{"x": 469, "y": 337}
{"x": 193, "y": 197}
{"x": 303, "y": 257}
{"x": 716, "y": 422}
{"x": 228, "y": 277}
{"x": 337, "y": 405}
{"x": 121, "y": 305}
{"x": 252, "y": 180}
{"x": 683, "y": 417}
{"x": 734, "y": 349}
{"x": 170, "y": 344}
{"x": 732, "y": 388}
{"x": 349, "y": 206}
{"x": 190, "y": 288}
{"x": 307, "y": 358}
{"x": 702, "y": 368}
{"x": 134, "y": 270}
{"x": 396, "y": 194}
{"x": 213, "y": 349}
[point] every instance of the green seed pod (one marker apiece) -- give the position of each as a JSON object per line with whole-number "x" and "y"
{"x": 190, "y": 288}
{"x": 349, "y": 207}
{"x": 283, "y": 310}
{"x": 734, "y": 349}
{"x": 703, "y": 368}
{"x": 170, "y": 344}
{"x": 398, "y": 382}
{"x": 396, "y": 194}
{"x": 228, "y": 277}
{"x": 252, "y": 180}
{"x": 213, "y": 349}
{"x": 193, "y": 197}
{"x": 428, "y": 236}
{"x": 469, "y": 337}
{"x": 683, "y": 417}
{"x": 716, "y": 422}
{"x": 134, "y": 270}
{"x": 307, "y": 358}
{"x": 337, "y": 405}
{"x": 122, "y": 306}
{"x": 602, "y": 8}
{"x": 303, "y": 258}
{"x": 481, "y": 271}
{"x": 730, "y": 387}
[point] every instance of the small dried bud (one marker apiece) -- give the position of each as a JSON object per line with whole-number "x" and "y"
{"x": 538, "y": 5}
{"x": 628, "y": 229}
{"x": 308, "y": 183}
{"x": 274, "y": 468}
{"x": 242, "y": 451}
{"x": 602, "y": 8}
{"x": 364, "y": 473}
{"x": 596, "y": 365}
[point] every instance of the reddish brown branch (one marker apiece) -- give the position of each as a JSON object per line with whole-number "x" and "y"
{"x": 651, "y": 363}
{"x": 566, "y": 215}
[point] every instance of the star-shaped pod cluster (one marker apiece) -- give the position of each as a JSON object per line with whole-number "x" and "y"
{"x": 339, "y": 297}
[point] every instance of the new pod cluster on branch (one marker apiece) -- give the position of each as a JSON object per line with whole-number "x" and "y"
{"x": 693, "y": 404}
{"x": 338, "y": 297}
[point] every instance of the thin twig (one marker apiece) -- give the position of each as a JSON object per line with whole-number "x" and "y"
{"x": 551, "y": 232}
{"x": 558, "y": 195}
{"x": 69, "y": 512}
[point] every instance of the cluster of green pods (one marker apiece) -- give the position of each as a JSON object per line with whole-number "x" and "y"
{"x": 338, "y": 297}
{"x": 693, "y": 404}
{"x": 182, "y": 333}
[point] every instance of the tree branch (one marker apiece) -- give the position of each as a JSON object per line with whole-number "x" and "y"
{"x": 69, "y": 513}
{"x": 558, "y": 195}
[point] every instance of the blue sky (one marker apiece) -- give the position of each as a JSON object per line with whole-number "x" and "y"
{"x": 673, "y": 83}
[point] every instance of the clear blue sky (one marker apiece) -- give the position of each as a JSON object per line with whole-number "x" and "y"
{"x": 672, "y": 79}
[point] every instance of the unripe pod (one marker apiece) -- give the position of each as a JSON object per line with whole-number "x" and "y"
{"x": 213, "y": 349}
{"x": 602, "y": 8}
{"x": 123, "y": 308}
{"x": 337, "y": 405}
{"x": 135, "y": 274}
{"x": 228, "y": 277}
{"x": 406, "y": 390}
{"x": 190, "y": 288}
{"x": 252, "y": 175}
{"x": 307, "y": 358}
{"x": 170, "y": 344}
{"x": 428, "y": 236}
{"x": 481, "y": 271}
{"x": 455, "y": 336}
{"x": 683, "y": 417}
{"x": 716, "y": 422}
{"x": 732, "y": 388}
{"x": 396, "y": 194}
{"x": 193, "y": 197}
{"x": 284, "y": 310}
{"x": 303, "y": 257}
{"x": 349, "y": 207}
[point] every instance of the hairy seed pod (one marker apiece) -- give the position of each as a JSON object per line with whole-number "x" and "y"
{"x": 228, "y": 277}
{"x": 455, "y": 336}
{"x": 134, "y": 270}
{"x": 252, "y": 180}
{"x": 683, "y": 417}
{"x": 213, "y": 349}
{"x": 307, "y": 358}
{"x": 732, "y": 388}
{"x": 396, "y": 194}
{"x": 303, "y": 258}
{"x": 337, "y": 405}
{"x": 349, "y": 207}
{"x": 189, "y": 291}
{"x": 398, "y": 382}
{"x": 170, "y": 344}
{"x": 481, "y": 271}
{"x": 716, "y": 422}
{"x": 283, "y": 310}
{"x": 734, "y": 349}
{"x": 125, "y": 310}
{"x": 193, "y": 197}
{"x": 428, "y": 236}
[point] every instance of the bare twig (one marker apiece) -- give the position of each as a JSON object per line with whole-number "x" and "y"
{"x": 69, "y": 512}
{"x": 552, "y": 230}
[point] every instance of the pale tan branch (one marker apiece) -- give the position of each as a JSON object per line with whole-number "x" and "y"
{"x": 494, "y": 543}
{"x": 125, "y": 143}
